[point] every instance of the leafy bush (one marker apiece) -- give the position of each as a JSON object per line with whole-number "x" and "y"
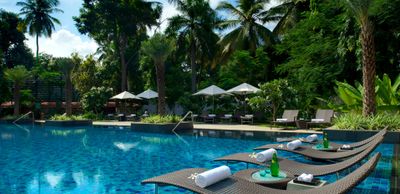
{"x": 359, "y": 122}
{"x": 95, "y": 99}
{"x": 67, "y": 118}
{"x": 158, "y": 119}
{"x": 387, "y": 95}
{"x": 273, "y": 96}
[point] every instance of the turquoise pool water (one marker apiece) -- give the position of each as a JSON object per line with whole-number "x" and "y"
{"x": 110, "y": 160}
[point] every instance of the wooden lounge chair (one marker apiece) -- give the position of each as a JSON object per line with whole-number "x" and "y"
{"x": 298, "y": 168}
{"x": 227, "y": 117}
{"x": 338, "y": 145}
{"x": 288, "y": 117}
{"x": 209, "y": 118}
{"x": 317, "y": 154}
{"x": 184, "y": 179}
{"x": 322, "y": 117}
{"x": 247, "y": 119}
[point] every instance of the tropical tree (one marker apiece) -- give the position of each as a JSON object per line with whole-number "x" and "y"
{"x": 195, "y": 23}
{"x": 66, "y": 66}
{"x": 361, "y": 10}
{"x": 39, "y": 19}
{"x": 17, "y": 75}
{"x": 120, "y": 23}
{"x": 159, "y": 47}
{"x": 249, "y": 32}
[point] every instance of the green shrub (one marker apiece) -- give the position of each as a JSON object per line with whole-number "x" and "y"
{"x": 68, "y": 118}
{"x": 157, "y": 119}
{"x": 358, "y": 122}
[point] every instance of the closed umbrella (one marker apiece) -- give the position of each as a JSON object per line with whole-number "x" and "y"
{"x": 212, "y": 90}
{"x": 243, "y": 89}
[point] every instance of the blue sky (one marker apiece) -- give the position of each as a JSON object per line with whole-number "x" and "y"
{"x": 66, "y": 38}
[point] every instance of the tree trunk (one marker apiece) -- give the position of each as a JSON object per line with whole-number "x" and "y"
{"x": 124, "y": 66}
{"x": 160, "y": 71}
{"x": 37, "y": 49}
{"x": 193, "y": 64}
{"x": 368, "y": 60}
{"x": 68, "y": 95}
{"x": 17, "y": 96}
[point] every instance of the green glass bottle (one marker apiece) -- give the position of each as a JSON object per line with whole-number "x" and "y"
{"x": 274, "y": 166}
{"x": 325, "y": 140}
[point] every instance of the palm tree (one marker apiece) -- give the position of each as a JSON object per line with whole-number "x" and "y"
{"x": 287, "y": 14}
{"x": 38, "y": 18}
{"x": 159, "y": 47}
{"x": 195, "y": 23}
{"x": 361, "y": 10}
{"x": 66, "y": 66}
{"x": 17, "y": 75}
{"x": 249, "y": 32}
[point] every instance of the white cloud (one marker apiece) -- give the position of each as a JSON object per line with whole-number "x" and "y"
{"x": 214, "y": 3}
{"x": 62, "y": 43}
{"x": 169, "y": 10}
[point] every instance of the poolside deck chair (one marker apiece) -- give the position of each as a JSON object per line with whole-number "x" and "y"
{"x": 317, "y": 154}
{"x": 131, "y": 117}
{"x": 183, "y": 179}
{"x": 338, "y": 145}
{"x": 209, "y": 118}
{"x": 227, "y": 118}
{"x": 322, "y": 117}
{"x": 298, "y": 168}
{"x": 288, "y": 117}
{"x": 247, "y": 119}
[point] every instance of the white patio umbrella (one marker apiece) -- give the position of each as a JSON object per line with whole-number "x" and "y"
{"x": 243, "y": 89}
{"x": 212, "y": 90}
{"x": 123, "y": 96}
{"x": 148, "y": 94}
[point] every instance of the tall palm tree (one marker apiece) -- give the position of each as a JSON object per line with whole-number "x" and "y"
{"x": 159, "y": 47}
{"x": 66, "y": 66}
{"x": 38, "y": 18}
{"x": 361, "y": 11}
{"x": 17, "y": 75}
{"x": 195, "y": 23}
{"x": 249, "y": 31}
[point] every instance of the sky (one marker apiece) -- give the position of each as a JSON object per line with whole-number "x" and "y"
{"x": 66, "y": 39}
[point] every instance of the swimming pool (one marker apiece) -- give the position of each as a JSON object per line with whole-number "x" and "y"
{"x": 35, "y": 159}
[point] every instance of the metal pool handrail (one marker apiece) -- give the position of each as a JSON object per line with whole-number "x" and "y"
{"x": 21, "y": 117}
{"x": 183, "y": 119}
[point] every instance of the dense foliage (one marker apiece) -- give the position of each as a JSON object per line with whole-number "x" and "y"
{"x": 158, "y": 119}
{"x": 359, "y": 122}
{"x": 320, "y": 48}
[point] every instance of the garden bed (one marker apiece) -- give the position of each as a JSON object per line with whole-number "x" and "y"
{"x": 74, "y": 123}
{"x": 161, "y": 128}
{"x": 358, "y": 135}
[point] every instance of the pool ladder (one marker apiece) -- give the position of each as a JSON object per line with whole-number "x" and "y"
{"x": 23, "y": 116}
{"x": 183, "y": 119}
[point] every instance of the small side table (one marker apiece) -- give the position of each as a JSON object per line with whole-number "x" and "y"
{"x": 297, "y": 186}
{"x": 301, "y": 124}
{"x": 253, "y": 175}
{"x": 320, "y": 147}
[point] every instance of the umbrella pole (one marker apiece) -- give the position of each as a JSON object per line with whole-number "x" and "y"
{"x": 213, "y": 106}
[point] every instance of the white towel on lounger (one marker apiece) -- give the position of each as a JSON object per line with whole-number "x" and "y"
{"x": 212, "y": 176}
{"x": 265, "y": 155}
{"x": 293, "y": 144}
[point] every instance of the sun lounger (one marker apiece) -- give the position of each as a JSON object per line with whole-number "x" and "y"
{"x": 298, "y": 168}
{"x": 227, "y": 117}
{"x": 288, "y": 117}
{"x": 131, "y": 117}
{"x": 338, "y": 145}
{"x": 317, "y": 154}
{"x": 247, "y": 119}
{"x": 185, "y": 179}
{"x": 209, "y": 118}
{"x": 322, "y": 117}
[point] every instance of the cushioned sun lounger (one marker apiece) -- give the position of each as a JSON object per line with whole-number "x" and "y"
{"x": 322, "y": 117}
{"x": 317, "y": 154}
{"x": 298, "y": 168}
{"x": 185, "y": 179}
{"x": 338, "y": 145}
{"x": 288, "y": 117}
